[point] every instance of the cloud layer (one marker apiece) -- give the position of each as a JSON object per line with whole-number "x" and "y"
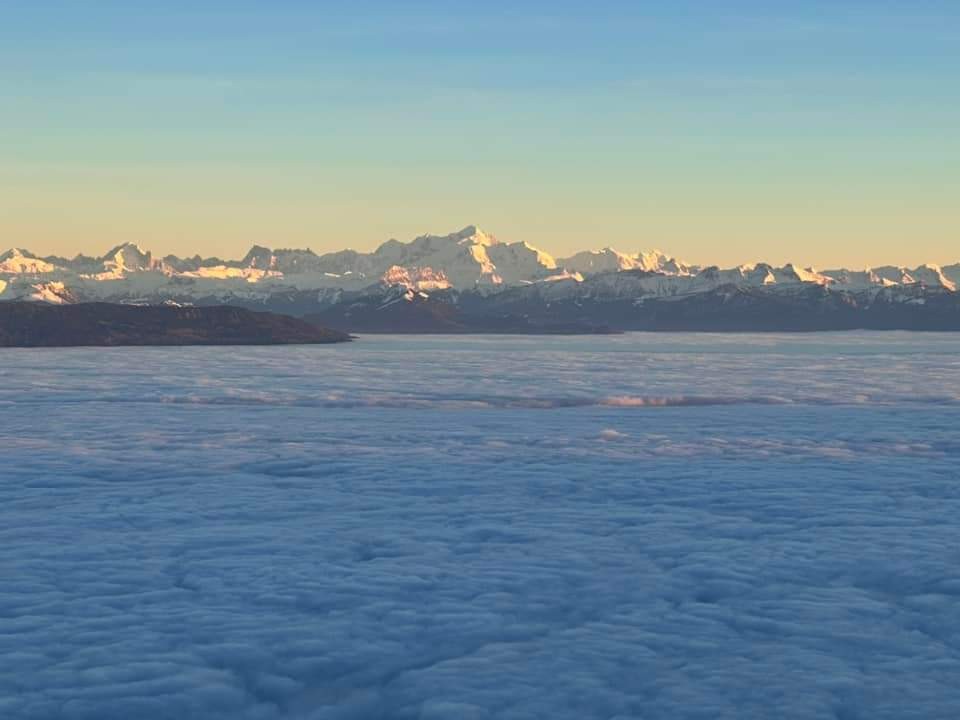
{"x": 279, "y": 558}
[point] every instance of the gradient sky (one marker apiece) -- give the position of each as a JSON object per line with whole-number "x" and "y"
{"x": 822, "y": 132}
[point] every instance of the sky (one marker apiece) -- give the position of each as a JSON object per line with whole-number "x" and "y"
{"x": 819, "y": 132}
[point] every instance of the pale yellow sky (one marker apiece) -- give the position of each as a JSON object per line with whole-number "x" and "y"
{"x": 821, "y": 133}
{"x": 186, "y": 210}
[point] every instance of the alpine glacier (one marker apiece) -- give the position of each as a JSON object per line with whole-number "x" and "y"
{"x": 633, "y": 526}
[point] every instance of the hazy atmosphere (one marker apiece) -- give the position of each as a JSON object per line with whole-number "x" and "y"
{"x": 818, "y": 132}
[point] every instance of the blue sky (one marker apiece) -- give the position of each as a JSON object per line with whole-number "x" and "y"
{"x": 822, "y": 132}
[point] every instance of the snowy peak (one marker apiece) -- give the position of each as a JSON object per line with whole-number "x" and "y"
{"x": 658, "y": 261}
{"x": 591, "y": 262}
{"x": 952, "y": 273}
{"x": 467, "y": 258}
{"x": 470, "y": 258}
{"x": 932, "y": 276}
{"x": 13, "y": 253}
{"x": 259, "y": 258}
{"x": 473, "y": 235}
{"x": 795, "y": 273}
{"x": 128, "y": 257}
{"x": 19, "y": 261}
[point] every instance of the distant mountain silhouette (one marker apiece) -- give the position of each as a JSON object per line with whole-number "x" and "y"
{"x": 102, "y": 324}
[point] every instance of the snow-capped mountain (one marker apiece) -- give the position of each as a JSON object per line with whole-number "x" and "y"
{"x": 591, "y": 262}
{"x": 20, "y": 262}
{"x": 469, "y": 260}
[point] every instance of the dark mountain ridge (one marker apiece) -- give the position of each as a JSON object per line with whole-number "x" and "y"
{"x": 31, "y": 324}
{"x": 585, "y": 309}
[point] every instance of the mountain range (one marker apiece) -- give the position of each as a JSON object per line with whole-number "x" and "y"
{"x": 470, "y": 281}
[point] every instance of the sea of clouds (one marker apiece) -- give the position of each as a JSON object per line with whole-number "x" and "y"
{"x": 645, "y": 526}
